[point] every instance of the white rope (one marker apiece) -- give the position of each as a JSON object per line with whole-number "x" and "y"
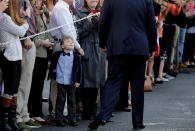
{"x": 47, "y": 31}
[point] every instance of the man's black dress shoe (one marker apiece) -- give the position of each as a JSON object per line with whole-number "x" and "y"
{"x": 138, "y": 127}
{"x": 65, "y": 120}
{"x": 73, "y": 123}
{"x": 60, "y": 123}
{"x": 96, "y": 123}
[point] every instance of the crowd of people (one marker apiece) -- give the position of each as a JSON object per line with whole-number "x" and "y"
{"x": 76, "y": 63}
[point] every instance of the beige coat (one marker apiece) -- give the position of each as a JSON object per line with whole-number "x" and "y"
{"x": 41, "y": 25}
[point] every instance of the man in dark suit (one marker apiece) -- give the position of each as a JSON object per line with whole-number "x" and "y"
{"x": 128, "y": 32}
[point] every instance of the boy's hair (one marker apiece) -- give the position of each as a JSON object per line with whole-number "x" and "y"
{"x": 66, "y": 38}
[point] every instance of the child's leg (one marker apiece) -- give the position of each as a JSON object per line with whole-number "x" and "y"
{"x": 60, "y": 102}
{"x": 71, "y": 104}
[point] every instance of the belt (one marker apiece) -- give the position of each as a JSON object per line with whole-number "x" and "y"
{"x": 57, "y": 39}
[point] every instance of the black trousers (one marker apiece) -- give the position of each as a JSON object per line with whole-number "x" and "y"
{"x": 158, "y": 59}
{"x": 11, "y": 75}
{"x": 89, "y": 101}
{"x": 167, "y": 44}
{"x": 60, "y": 102}
{"x": 156, "y": 66}
{"x": 35, "y": 98}
{"x": 121, "y": 68}
{"x": 189, "y": 48}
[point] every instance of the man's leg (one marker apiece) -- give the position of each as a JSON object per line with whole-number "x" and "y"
{"x": 117, "y": 73}
{"x": 123, "y": 97}
{"x": 137, "y": 79}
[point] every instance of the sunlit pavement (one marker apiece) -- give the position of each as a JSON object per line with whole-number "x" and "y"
{"x": 170, "y": 107}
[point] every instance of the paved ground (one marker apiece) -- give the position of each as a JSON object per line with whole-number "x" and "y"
{"x": 170, "y": 107}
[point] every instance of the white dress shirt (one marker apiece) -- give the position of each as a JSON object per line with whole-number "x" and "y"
{"x": 60, "y": 16}
{"x": 9, "y": 31}
{"x": 64, "y": 68}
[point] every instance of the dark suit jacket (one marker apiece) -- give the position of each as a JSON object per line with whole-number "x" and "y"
{"x": 76, "y": 69}
{"x": 128, "y": 27}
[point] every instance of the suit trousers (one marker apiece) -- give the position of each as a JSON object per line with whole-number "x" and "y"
{"x": 123, "y": 97}
{"x": 60, "y": 102}
{"x": 25, "y": 83}
{"x": 121, "y": 68}
{"x": 35, "y": 98}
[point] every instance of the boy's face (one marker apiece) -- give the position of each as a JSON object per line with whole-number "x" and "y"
{"x": 68, "y": 44}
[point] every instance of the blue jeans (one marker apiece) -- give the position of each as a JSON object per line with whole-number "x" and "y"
{"x": 181, "y": 43}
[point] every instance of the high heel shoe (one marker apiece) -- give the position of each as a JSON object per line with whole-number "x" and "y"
{"x": 152, "y": 81}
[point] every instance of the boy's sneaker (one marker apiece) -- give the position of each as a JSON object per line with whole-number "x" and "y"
{"x": 23, "y": 126}
{"x": 33, "y": 124}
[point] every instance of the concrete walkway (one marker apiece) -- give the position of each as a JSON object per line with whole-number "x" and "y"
{"x": 170, "y": 107}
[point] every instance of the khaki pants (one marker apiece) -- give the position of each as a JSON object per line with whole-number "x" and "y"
{"x": 175, "y": 45}
{"x": 25, "y": 83}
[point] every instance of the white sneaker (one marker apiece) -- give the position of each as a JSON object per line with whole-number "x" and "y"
{"x": 163, "y": 79}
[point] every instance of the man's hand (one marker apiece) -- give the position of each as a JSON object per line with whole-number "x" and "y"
{"x": 76, "y": 85}
{"x": 81, "y": 51}
{"x": 3, "y": 5}
{"x": 28, "y": 43}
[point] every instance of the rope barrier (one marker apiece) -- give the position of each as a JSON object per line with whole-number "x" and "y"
{"x": 47, "y": 31}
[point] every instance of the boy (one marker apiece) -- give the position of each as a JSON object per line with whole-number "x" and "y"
{"x": 66, "y": 69}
